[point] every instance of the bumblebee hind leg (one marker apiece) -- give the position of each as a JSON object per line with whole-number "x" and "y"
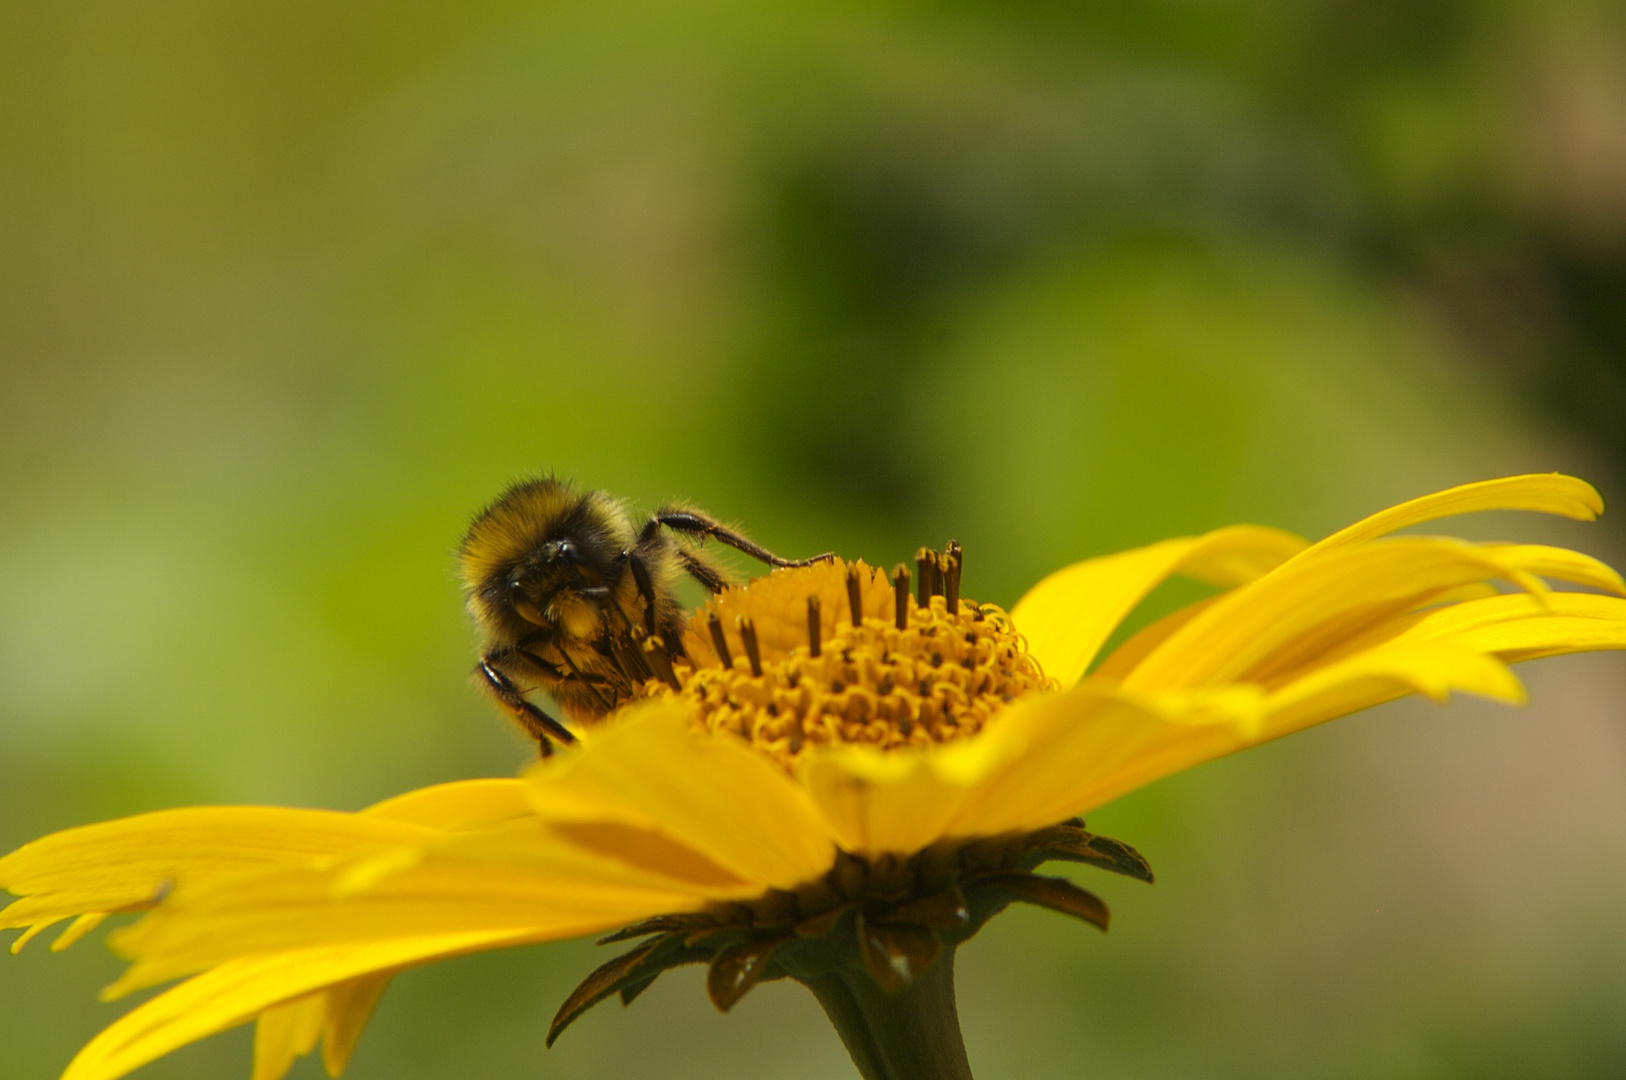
{"x": 538, "y": 724}
{"x": 683, "y": 519}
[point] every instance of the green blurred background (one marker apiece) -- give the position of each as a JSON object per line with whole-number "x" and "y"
{"x": 287, "y": 290}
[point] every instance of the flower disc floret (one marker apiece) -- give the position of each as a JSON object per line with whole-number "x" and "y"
{"x": 839, "y": 654}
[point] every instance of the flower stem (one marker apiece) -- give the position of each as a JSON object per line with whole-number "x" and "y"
{"x": 913, "y": 1034}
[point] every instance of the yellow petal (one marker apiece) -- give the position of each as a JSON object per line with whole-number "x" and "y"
{"x": 1083, "y": 753}
{"x": 285, "y": 1033}
{"x": 349, "y": 1006}
{"x": 595, "y": 854}
{"x": 1479, "y": 590}
{"x": 1361, "y": 681}
{"x": 1514, "y": 627}
{"x": 125, "y": 864}
{"x": 1038, "y": 764}
{"x": 1346, "y": 634}
{"x": 336, "y": 1015}
{"x": 1122, "y": 660}
{"x": 237, "y": 992}
{"x": 519, "y": 879}
{"x": 464, "y": 804}
{"x": 1520, "y": 627}
{"x": 896, "y": 802}
{"x": 1561, "y": 564}
{"x": 713, "y": 795}
{"x": 1069, "y": 615}
{"x": 77, "y": 929}
{"x": 1078, "y": 748}
{"x": 1547, "y": 493}
{"x": 33, "y": 931}
{"x": 1453, "y": 648}
{"x": 1347, "y": 589}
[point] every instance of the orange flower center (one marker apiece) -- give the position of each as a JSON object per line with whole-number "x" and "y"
{"x": 838, "y": 653}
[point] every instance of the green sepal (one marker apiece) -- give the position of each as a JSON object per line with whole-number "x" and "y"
{"x": 1072, "y": 843}
{"x": 1057, "y": 894}
{"x": 662, "y": 924}
{"x": 944, "y": 910}
{"x": 896, "y": 954}
{"x": 640, "y": 966}
{"x": 629, "y": 993}
{"x": 875, "y": 944}
{"x": 822, "y": 924}
{"x": 737, "y": 969}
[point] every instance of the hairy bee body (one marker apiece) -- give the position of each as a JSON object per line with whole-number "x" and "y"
{"x": 566, "y": 589}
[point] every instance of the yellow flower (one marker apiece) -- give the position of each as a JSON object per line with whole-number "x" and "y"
{"x": 835, "y": 781}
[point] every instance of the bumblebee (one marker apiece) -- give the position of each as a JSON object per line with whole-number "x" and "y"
{"x": 567, "y": 592}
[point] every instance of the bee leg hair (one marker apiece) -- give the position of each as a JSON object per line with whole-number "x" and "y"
{"x": 538, "y": 724}
{"x": 522, "y": 652}
{"x": 701, "y": 569}
{"x": 588, "y": 681}
{"x": 695, "y": 523}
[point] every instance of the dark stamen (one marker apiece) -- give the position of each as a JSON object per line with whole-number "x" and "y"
{"x": 951, "y": 576}
{"x": 900, "y": 594}
{"x": 855, "y": 596}
{"x": 748, "y": 634}
{"x": 926, "y": 565}
{"x": 812, "y": 626}
{"x": 660, "y": 662}
{"x": 719, "y": 641}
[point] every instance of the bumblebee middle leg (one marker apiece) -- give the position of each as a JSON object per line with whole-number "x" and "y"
{"x": 697, "y": 523}
{"x": 538, "y": 724}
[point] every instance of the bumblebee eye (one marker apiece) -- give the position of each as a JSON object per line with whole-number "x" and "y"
{"x": 559, "y": 551}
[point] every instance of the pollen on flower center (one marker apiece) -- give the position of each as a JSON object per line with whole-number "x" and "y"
{"x": 838, "y": 653}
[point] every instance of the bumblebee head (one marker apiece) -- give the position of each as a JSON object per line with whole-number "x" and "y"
{"x": 559, "y": 587}
{"x": 543, "y": 556}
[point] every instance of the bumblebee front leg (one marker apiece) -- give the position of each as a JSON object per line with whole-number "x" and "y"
{"x": 701, "y": 569}
{"x": 538, "y": 724}
{"x": 646, "y": 587}
{"x": 696, "y": 523}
